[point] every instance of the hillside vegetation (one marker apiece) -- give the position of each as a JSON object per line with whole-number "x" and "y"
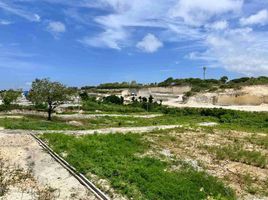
{"x": 193, "y": 82}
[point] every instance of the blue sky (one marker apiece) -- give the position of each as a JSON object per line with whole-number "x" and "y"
{"x": 87, "y": 42}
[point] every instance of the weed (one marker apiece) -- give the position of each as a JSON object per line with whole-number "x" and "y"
{"x": 238, "y": 154}
{"x": 259, "y": 140}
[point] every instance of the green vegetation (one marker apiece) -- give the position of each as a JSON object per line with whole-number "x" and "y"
{"x": 262, "y": 80}
{"x": 50, "y": 93}
{"x": 211, "y": 85}
{"x": 259, "y": 140}
{"x": 114, "y": 100}
{"x": 120, "y": 159}
{"x": 117, "y": 85}
{"x": 237, "y": 153}
{"x": 9, "y": 96}
{"x": 226, "y": 119}
{"x": 35, "y": 123}
{"x": 197, "y": 83}
{"x": 114, "y": 103}
{"x": 109, "y": 107}
{"x": 40, "y": 123}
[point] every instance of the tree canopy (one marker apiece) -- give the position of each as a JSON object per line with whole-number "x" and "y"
{"x": 53, "y": 94}
{"x": 9, "y": 96}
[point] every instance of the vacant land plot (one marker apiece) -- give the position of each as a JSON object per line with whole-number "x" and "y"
{"x": 174, "y": 163}
{"x": 211, "y": 154}
{"x": 135, "y": 169}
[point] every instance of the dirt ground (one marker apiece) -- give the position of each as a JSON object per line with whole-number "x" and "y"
{"x": 33, "y": 174}
{"x": 175, "y": 103}
{"x": 248, "y": 181}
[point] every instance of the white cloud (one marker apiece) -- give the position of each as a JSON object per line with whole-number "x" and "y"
{"x": 111, "y": 38}
{"x": 260, "y": 18}
{"x": 5, "y": 22}
{"x": 197, "y": 12}
{"x": 56, "y": 27}
{"x": 239, "y": 50}
{"x": 20, "y": 12}
{"x": 36, "y": 18}
{"x": 219, "y": 25}
{"x": 149, "y": 44}
{"x": 174, "y": 16}
{"x": 194, "y": 25}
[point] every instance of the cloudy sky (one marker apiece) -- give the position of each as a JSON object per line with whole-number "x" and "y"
{"x": 86, "y": 42}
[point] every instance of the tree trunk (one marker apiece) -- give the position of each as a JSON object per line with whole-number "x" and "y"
{"x": 49, "y": 112}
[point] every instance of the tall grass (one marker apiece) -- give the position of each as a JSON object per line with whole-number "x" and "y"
{"x": 237, "y": 153}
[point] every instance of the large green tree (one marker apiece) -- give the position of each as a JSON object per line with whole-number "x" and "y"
{"x": 9, "y": 96}
{"x": 53, "y": 94}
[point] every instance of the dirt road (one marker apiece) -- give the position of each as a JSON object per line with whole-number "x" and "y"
{"x": 99, "y": 131}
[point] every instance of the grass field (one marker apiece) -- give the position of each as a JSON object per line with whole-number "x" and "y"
{"x": 122, "y": 160}
{"x": 192, "y": 162}
{"x": 226, "y": 119}
{"x": 40, "y": 123}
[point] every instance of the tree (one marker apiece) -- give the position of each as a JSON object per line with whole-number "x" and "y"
{"x": 84, "y": 96}
{"x": 151, "y": 99}
{"x": 144, "y": 99}
{"x": 224, "y": 79}
{"x": 53, "y": 94}
{"x": 114, "y": 99}
{"x": 9, "y": 96}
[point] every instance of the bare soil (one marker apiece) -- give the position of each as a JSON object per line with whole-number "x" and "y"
{"x": 43, "y": 178}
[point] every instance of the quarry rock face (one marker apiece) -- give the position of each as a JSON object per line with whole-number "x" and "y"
{"x": 159, "y": 93}
{"x": 250, "y": 95}
{"x": 244, "y": 99}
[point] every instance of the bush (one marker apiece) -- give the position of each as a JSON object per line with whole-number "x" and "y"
{"x": 9, "y": 96}
{"x": 108, "y": 107}
{"x": 114, "y": 99}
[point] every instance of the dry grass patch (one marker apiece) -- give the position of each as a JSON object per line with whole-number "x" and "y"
{"x": 238, "y": 158}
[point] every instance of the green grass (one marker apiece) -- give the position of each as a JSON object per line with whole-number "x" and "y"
{"x": 226, "y": 119}
{"x": 115, "y": 157}
{"x": 35, "y": 123}
{"x": 40, "y": 123}
{"x": 259, "y": 140}
{"x": 105, "y": 107}
{"x": 238, "y": 154}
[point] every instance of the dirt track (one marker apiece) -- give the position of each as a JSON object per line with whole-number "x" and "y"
{"x": 100, "y": 131}
{"x": 44, "y": 175}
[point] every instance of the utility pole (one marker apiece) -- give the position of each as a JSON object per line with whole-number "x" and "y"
{"x": 204, "y": 72}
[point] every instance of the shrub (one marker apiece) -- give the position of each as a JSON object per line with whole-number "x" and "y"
{"x": 114, "y": 99}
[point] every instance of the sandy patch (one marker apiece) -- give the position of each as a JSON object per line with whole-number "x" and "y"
{"x": 208, "y": 124}
{"x": 90, "y": 116}
{"x": 10, "y": 117}
{"x": 23, "y": 151}
{"x": 260, "y": 108}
